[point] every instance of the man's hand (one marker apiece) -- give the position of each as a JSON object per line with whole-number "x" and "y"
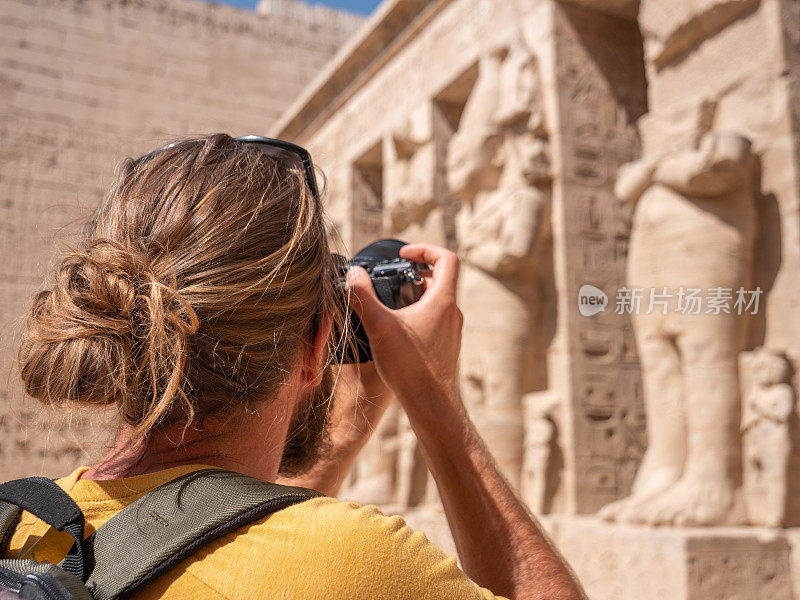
{"x": 415, "y": 348}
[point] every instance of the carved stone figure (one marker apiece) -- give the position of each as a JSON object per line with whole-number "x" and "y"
{"x": 539, "y": 433}
{"x": 498, "y": 168}
{"x": 767, "y": 403}
{"x": 411, "y": 169}
{"x": 694, "y": 228}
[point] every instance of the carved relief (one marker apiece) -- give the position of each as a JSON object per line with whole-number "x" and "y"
{"x": 600, "y": 97}
{"x": 742, "y": 572}
{"x": 767, "y": 404}
{"x": 540, "y": 433}
{"x": 410, "y": 170}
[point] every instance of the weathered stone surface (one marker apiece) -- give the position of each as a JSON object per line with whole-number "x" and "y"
{"x": 768, "y": 404}
{"x": 719, "y": 68}
{"x": 600, "y": 91}
{"x": 499, "y": 130}
{"x": 673, "y": 30}
{"x": 480, "y": 130}
{"x": 627, "y": 9}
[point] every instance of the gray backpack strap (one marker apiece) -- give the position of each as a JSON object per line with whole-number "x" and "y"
{"x": 158, "y": 531}
{"x": 9, "y": 513}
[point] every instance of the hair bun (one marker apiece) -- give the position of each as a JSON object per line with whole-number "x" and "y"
{"x": 207, "y": 228}
{"x": 108, "y": 331}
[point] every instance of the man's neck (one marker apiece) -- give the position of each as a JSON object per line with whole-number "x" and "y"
{"x": 253, "y": 448}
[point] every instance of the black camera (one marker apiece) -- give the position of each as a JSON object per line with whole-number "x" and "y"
{"x": 397, "y": 282}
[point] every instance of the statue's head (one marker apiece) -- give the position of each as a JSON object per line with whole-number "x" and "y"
{"x": 520, "y": 102}
{"x": 769, "y": 368}
{"x": 503, "y": 124}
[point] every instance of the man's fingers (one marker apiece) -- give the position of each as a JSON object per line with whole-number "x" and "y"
{"x": 428, "y": 253}
{"x": 363, "y": 299}
{"x": 445, "y": 264}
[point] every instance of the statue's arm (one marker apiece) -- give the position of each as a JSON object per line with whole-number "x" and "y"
{"x": 633, "y": 179}
{"x": 692, "y": 174}
{"x": 718, "y": 167}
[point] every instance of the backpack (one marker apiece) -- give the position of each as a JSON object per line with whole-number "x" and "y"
{"x": 139, "y": 543}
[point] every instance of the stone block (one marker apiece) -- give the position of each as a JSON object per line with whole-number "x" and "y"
{"x": 620, "y": 562}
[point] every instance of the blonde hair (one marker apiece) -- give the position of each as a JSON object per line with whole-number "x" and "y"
{"x": 193, "y": 288}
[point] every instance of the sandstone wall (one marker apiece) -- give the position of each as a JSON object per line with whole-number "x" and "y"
{"x": 85, "y": 83}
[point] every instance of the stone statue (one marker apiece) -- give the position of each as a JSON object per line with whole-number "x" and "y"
{"x": 694, "y": 228}
{"x": 767, "y": 404}
{"x": 410, "y": 170}
{"x": 498, "y": 168}
{"x": 539, "y": 433}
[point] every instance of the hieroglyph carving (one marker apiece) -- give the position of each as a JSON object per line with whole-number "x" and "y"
{"x": 499, "y": 169}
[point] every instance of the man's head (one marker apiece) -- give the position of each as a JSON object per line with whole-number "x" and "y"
{"x": 201, "y": 285}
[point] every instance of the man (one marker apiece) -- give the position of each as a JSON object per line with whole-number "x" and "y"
{"x": 201, "y": 304}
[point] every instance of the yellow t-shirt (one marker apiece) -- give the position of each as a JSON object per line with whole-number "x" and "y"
{"x": 320, "y": 548}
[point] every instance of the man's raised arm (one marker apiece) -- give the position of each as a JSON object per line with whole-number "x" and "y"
{"x": 416, "y": 348}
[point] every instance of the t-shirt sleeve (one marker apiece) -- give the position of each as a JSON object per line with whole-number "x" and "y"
{"x": 382, "y": 557}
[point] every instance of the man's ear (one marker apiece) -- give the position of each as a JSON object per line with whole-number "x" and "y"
{"x": 316, "y": 355}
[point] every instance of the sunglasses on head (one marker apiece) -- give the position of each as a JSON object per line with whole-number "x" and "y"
{"x": 275, "y": 147}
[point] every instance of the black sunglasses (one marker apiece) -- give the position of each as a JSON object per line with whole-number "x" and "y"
{"x": 281, "y": 145}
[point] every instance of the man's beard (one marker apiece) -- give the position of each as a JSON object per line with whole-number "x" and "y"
{"x": 308, "y": 437}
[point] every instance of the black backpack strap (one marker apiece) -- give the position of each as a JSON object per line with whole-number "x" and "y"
{"x": 158, "y": 531}
{"x": 44, "y": 499}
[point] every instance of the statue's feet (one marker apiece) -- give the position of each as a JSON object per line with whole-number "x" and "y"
{"x": 692, "y": 501}
{"x": 616, "y": 510}
{"x": 649, "y": 483}
{"x": 652, "y": 480}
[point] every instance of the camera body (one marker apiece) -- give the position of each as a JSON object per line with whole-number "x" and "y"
{"x": 398, "y": 282}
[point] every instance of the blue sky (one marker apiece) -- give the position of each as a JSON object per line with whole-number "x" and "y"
{"x": 364, "y": 7}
